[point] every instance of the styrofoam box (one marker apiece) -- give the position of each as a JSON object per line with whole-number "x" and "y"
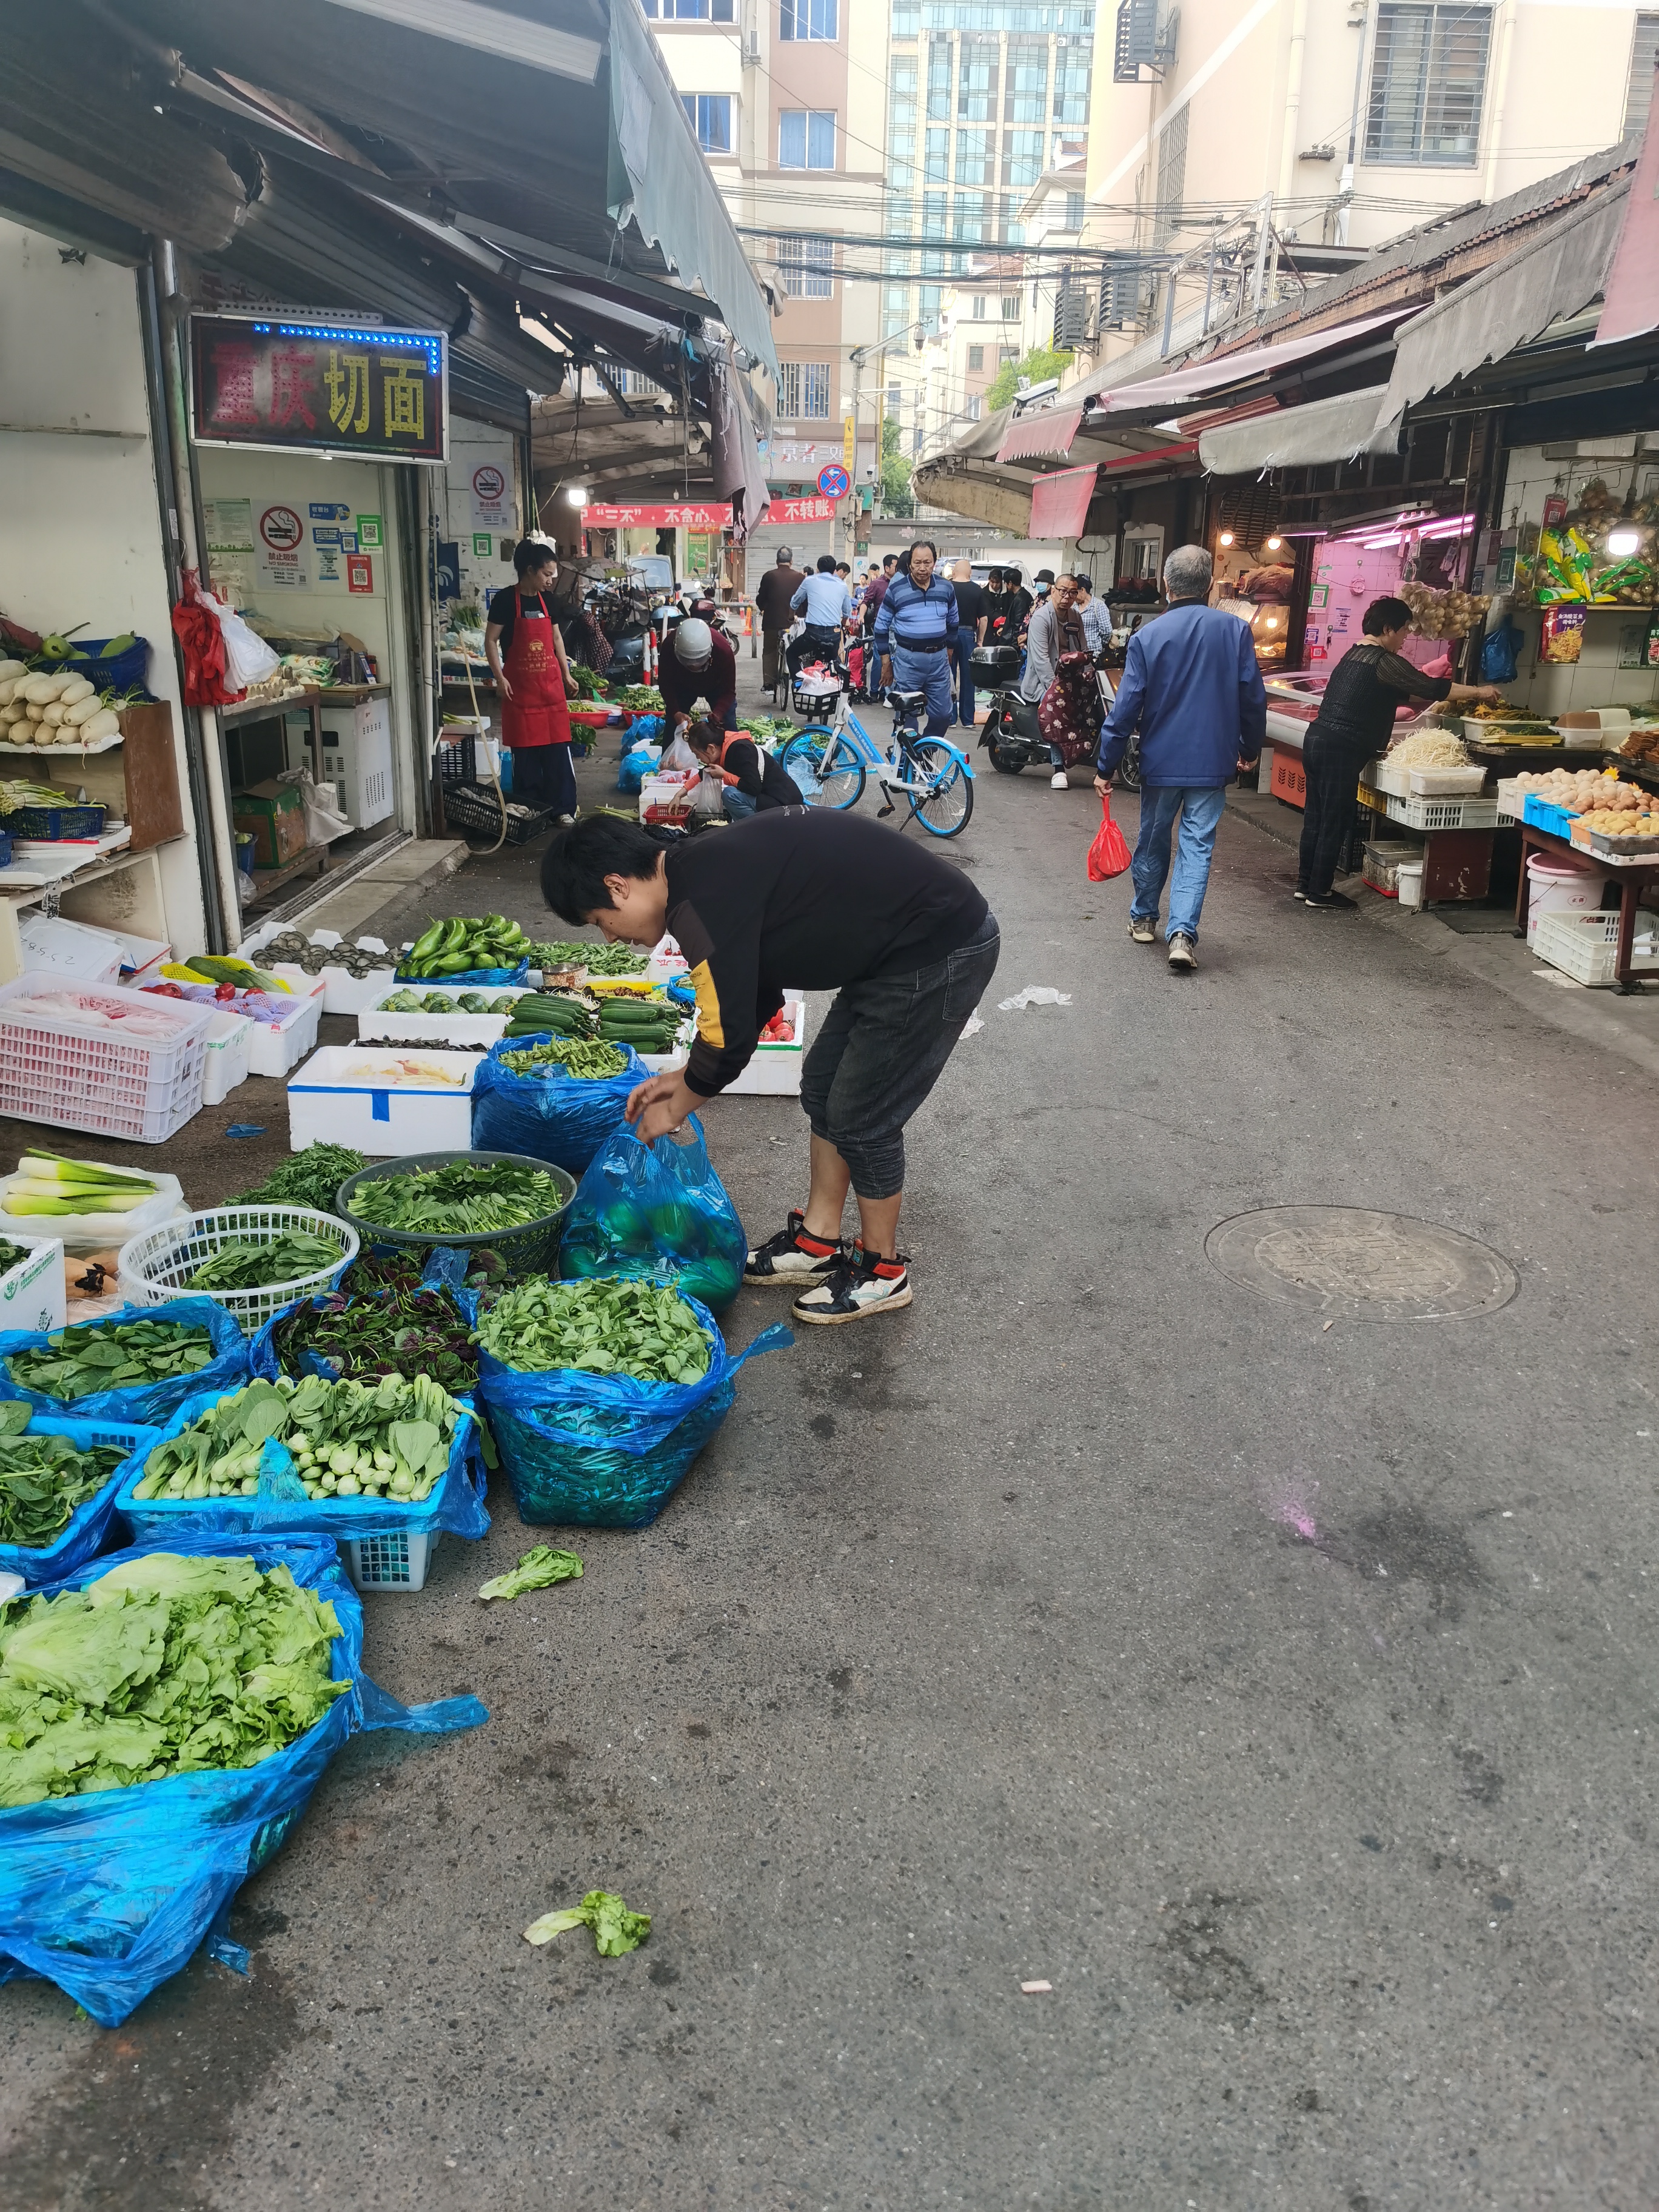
{"x": 455, "y": 1028}
{"x": 51, "y": 943}
{"x": 81, "y": 1233}
{"x": 1392, "y": 776}
{"x": 774, "y": 1070}
{"x": 32, "y": 1292}
{"x": 141, "y": 958}
{"x": 224, "y": 1056}
{"x": 334, "y": 1099}
{"x": 274, "y": 1047}
{"x": 342, "y": 994}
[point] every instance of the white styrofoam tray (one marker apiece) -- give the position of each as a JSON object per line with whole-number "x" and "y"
{"x": 32, "y": 1293}
{"x": 339, "y": 1098}
{"x": 454, "y": 1029}
{"x": 275, "y": 1047}
{"x": 343, "y": 992}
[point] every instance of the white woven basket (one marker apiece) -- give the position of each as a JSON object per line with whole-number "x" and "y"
{"x": 158, "y": 1264}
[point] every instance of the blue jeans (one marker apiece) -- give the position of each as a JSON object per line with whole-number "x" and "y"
{"x": 737, "y": 805}
{"x": 929, "y": 672}
{"x": 965, "y": 674}
{"x": 1200, "y": 807}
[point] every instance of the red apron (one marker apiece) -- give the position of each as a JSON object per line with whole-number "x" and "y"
{"x": 536, "y": 714}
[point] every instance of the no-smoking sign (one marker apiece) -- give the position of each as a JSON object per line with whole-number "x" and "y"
{"x": 492, "y": 497}
{"x": 281, "y": 529}
{"x": 282, "y": 549}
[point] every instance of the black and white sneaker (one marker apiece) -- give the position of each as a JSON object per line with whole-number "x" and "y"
{"x": 792, "y": 1259}
{"x": 860, "y": 1286}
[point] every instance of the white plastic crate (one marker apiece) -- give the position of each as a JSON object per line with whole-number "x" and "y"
{"x": 158, "y": 1265}
{"x": 1392, "y": 775}
{"x": 33, "y": 1292}
{"x": 71, "y": 948}
{"x": 224, "y": 1056}
{"x": 774, "y": 1070}
{"x": 350, "y": 1095}
{"x": 398, "y": 1562}
{"x": 73, "y": 1073}
{"x": 275, "y": 1047}
{"x": 1417, "y": 813}
{"x": 1586, "y": 945}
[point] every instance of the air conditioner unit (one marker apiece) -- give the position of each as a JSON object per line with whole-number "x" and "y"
{"x": 1122, "y": 298}
{"x": 1146, "y": 40}
{"x": 1071, "y": 319}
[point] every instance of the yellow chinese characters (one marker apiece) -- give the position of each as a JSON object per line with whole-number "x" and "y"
{"x": 346, "y": 378}
{"x": 405, "y": 404}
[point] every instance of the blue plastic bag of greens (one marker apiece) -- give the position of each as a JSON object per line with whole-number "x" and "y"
{"x": 109, "y": 1893}
{"x": 657, "y": 1210}
{"x": 635, "y": 766}
{"x": 608, "y": 1451}
{"x": 562, "y": 1118}
{"x": 142, "y": 1405}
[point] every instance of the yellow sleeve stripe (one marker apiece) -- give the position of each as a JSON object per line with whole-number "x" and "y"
{"x": 710, "y": 1029}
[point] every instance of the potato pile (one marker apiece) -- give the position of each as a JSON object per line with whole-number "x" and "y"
{"x": 1620, "y": 822}
{"x": 1579, "y": 790}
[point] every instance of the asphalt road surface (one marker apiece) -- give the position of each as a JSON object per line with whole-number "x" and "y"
{"x": 1271, "y": 1682}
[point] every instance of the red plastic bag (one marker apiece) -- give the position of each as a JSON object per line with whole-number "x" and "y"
{"x": 202, "y": 644}
{"x": 1108, "y": 855}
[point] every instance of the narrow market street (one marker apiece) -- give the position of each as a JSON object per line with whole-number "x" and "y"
{"x": 1272, "y": 1690}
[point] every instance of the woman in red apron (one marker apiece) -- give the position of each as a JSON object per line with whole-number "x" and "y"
{"x": 527, "y": 657}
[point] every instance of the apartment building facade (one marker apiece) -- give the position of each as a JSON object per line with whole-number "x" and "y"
{"x": 788, "y": 102}
{"x": 1337, "y": 123}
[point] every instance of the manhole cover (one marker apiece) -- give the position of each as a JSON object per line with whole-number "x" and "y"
{"x": 1370, "y": 1267}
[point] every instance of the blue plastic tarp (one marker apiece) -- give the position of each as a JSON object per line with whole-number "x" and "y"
{"x": 562, "y": 1118}
{"x": 110, "y": 1894}
{"x": 83, "y": 1537}
{"x": 147, "y": 1405}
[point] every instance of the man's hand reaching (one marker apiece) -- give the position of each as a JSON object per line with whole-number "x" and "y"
{"x": 657, "y": 1105}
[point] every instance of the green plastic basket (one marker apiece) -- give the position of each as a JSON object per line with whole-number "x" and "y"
{"x": 531, "y": 1249}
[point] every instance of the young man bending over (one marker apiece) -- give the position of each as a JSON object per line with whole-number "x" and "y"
{"x": 816, "y": 901}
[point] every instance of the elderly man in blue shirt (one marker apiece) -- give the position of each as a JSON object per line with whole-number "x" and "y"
{"x": 1192, "y": 688}
{"x": 824, "y": 598}
{"x": 916, "y": 629}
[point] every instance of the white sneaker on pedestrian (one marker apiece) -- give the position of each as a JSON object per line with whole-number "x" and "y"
{"x": 1059, "y": 780}
{"x": 1184, "y": 959}
{"x": 565, "y": 821}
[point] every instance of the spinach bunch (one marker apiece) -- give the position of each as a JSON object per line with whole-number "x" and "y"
{"x": 307, "y": 1178}
{"x": 601, "y": 1327}
{"x": 250, "y": 1265}
{"x": 110, "y": 1356}
{"x": 465, "y": 1199}
{"x": 44, "y": 1480}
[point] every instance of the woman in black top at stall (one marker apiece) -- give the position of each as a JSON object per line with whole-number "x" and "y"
{"x": 1353, "y": 725}
{"x": 527, "y": 658}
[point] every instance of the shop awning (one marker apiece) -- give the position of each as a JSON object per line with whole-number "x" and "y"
{"x": 1045, "y": 435}
{"x": 1632, "y": 307}
{"x": 1165, "y": 394}
{"x": 1557, "y": 275}
{"x": 1301, "y": 437}
{"x": 1059, "y": 502}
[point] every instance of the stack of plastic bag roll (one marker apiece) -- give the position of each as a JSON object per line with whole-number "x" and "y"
{"x": 608, "y": 1451}
{"x": 110, "y": 1892}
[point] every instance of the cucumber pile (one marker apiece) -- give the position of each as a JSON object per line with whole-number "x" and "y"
{"x": 459, "y": 944}
{"x": 554, "y": 1013}
{"x": 650, "y": 1025}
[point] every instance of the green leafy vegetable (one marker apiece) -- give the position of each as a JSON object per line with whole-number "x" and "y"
{"x": 465, "y": 1199}
{"x": 110, "y": 1356}
{"x": 389, "y": 1439}
{"x": 616, "y": 1930}
{"x": 44, "y": 1479}
{"x": 249, "y": 1264}
{"x": 567, "y": 1056}
{"x": 601, "y": 1327}
{"x": 599, "y": 959}
{"x": 11, "y": 1254}
{"x": 166, "y": 1665}
{"x": 540, "y": 1569}
{"x": 308, "y": 1178}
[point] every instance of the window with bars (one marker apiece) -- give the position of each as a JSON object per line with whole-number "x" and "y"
{"x": 806, "y": 138}
{"x": 939, "y": 80}
{"x": 1644, "y": 58}
{"x": 975, "y": 358}
{"x": 1428, "y": 75}
{"x": 808, "y": 19}
{"x": 979, "y": 307}
{"x": 808, "y": 266}
{"x": 710, "y": 114}
{"x": 1171, "y": 179}
{"x": 976, "y": 155}
{"x": 815, "y": 391}
{"x": 1022, "y": 159}
{"x": 976, "y": 81}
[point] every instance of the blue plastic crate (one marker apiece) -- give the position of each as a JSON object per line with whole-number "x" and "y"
{"x": 1543, "y": 816}
{"x": 119, "y": 673}
{"x": 89, "y": 1525}
{"x": 53, "y": 823}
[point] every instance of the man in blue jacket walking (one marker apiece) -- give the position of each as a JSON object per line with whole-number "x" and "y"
{"x": 1192, "y": 688}
{"x": 915, "y": 631}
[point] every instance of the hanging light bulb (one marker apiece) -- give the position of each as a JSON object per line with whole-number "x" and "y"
{"x": 1274, "y": 545}
{"x": 1621, "y": 543}
{"x": 576, "y": 494}
{"x": 1225, "y": 540}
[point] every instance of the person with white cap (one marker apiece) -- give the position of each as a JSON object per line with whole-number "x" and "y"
{"x": 700, "y": 665}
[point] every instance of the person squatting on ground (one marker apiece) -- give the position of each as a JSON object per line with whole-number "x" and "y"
{"x": 916, "y": 634}
{"x": 1353, "y": 725}
{"x": 819, "y": 902}
{"x": 1191, "y": 687}
{"x": 754, "y": 778}
{"x": 701, "y": 666}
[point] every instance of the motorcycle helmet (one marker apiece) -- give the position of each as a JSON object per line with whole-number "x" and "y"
{"x": 694, "y": 644}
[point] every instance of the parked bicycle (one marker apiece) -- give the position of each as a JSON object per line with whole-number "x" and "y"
{"x": 830, "y": 762}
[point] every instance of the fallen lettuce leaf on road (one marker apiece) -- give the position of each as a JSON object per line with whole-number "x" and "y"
{"x": 540, "y": 1569}
{"x": 616, "y": 1930}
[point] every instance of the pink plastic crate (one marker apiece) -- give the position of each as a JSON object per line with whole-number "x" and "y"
{"x": 76, "y": 1075}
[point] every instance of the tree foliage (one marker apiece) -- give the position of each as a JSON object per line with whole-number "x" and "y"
{"x": 1037, "y": 368}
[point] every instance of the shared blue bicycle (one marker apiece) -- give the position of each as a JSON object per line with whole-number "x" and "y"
{"x": 830, "y": 762}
